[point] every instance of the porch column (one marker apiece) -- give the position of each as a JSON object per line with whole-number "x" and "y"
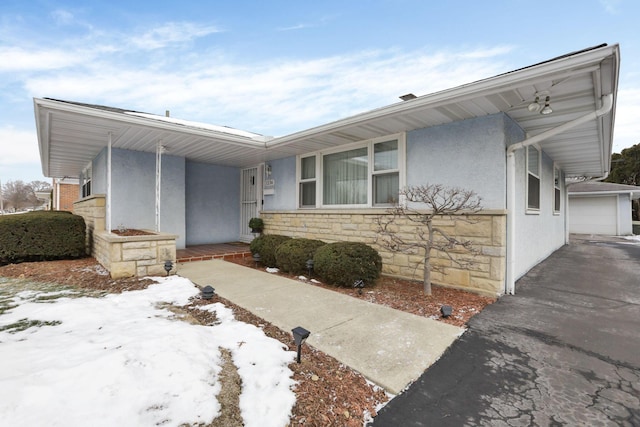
{"x": 108, "y": 198}
{"x": 159, "y": 150}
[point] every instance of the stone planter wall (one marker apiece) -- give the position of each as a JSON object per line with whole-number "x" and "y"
{"x": 127, "y": 256}
{"x": 487, "y": 232}
{"x": 92, "y": 209}
{"x": 123, "y": 256}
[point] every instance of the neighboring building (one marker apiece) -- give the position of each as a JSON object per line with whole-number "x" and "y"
{"x": 45, "y": 198}
{"x": 66, "y": 191}
{"x": 513, "y": 139}
{"x": 601, "y": 208}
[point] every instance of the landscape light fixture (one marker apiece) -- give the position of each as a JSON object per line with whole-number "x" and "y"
{"x": 208, "y": 292}
{"x": 359, "y": 284}
{"x": 300, "y": 335}
{"x": 309, "y": 265}
{"x": 168, "y": 266}
{"x": 446, "y": 310}
{"x": 256, "y": 258}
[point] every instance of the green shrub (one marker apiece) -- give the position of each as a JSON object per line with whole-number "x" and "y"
{"x": 343, "y": 263}
{"x": 256, "y": 224}
{"x": 292, "y": 255}
{"x": 41, "y": 235}
{"x": 266, "y": 245}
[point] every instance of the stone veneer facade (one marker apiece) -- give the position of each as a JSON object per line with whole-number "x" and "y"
{"x": 487, "y": 231}
{"x": 123, "y": 256}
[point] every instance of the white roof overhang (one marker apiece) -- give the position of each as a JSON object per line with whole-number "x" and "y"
{"x": 70, "y": 135}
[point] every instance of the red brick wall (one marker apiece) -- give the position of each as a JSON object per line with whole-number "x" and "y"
{"x": 68, "y": 195}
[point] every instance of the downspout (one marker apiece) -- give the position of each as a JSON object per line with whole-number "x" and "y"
{"x": 607, "y": 104}
{"x": 108, "y": 201}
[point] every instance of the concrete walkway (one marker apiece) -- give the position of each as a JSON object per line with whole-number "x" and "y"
{"x": 391, "y": 348}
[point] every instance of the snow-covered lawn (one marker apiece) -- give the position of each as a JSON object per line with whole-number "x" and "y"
{"x": 126, "y": 360}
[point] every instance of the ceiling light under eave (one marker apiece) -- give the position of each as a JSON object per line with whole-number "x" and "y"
{"x": 534, "y": 107}
{"x": 547, "y": 109}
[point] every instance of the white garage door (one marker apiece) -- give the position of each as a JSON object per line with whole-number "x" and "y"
{"x": 593, "y": 215}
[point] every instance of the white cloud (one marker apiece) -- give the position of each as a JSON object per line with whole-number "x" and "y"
{"x": 172, "y": 32}
{"x": 272, "y": 97}
{"x": 611, "y": 6}
{"x": 62, "y": 17}
{"x": 295, "y": 27}
{"x": 19, "y": 155}
{"x": 26, "y": 59}
{"x": 18, "y": 146}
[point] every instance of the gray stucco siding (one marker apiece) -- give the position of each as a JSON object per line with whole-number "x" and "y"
{"x": 468, "y": 154}
{"x": 539, "y": 234}
{"x": 99, "y": 173}
{"x": 212, "y": 203}
{"x": 284, "y": 176}
{"x": 133, "y": 192}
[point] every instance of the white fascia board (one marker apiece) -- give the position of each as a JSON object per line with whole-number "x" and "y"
{"x": 43, "y": 140}
{"x": 144, "y": 121}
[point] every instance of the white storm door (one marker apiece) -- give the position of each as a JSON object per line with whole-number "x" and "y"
{"x": 250, "y": 200}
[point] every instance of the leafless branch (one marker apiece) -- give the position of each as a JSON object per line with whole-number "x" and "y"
{"x": 440, "y": 201}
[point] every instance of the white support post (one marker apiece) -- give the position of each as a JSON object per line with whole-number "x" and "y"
{"x": 159, "y": 150}
{"x": 108, "y": 201}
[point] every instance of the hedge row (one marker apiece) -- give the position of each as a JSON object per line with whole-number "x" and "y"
{"x": 41, "y": 235}
{"x": 340, "y": 263}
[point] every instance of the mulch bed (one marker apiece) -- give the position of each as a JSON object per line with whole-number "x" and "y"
{"x": 327, "y": 392}
{"x": 132, "y": 232}
{"x": 408, "y": 296}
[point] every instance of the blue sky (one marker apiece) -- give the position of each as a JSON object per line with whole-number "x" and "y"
{"x": 276, "y": 67}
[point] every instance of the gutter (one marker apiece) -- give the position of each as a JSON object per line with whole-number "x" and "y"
{"x": 607, "y": 105}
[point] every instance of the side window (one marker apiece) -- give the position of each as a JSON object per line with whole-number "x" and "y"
{"x": 344, "y": 176}
{"x": 364, "y": 174}
{"x": 86, "y": 183}
{"x": 386, "y": 174}
{"x": 308, "y": 182}
{"x": 556, "y": 190}
{"x": 533, "y": 179}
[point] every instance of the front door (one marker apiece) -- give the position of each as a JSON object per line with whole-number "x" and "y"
{"x": 250, "y": 200}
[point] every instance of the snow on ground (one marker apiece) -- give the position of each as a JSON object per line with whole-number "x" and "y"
{"x": 124, "y": 360}
{"x": 635, "y": 238}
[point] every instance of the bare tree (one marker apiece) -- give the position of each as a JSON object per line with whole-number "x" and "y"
{"x": 436, "y": 201}
{"x": 19, "y": 195}
{"x": 40, "y": 186}
{"x": 16, "y": 194}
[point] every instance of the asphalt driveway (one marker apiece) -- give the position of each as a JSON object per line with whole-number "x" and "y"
{"x": 565, "y": 350}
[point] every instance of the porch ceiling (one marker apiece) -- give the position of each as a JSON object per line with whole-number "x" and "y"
{"x": 70, "y": 135}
